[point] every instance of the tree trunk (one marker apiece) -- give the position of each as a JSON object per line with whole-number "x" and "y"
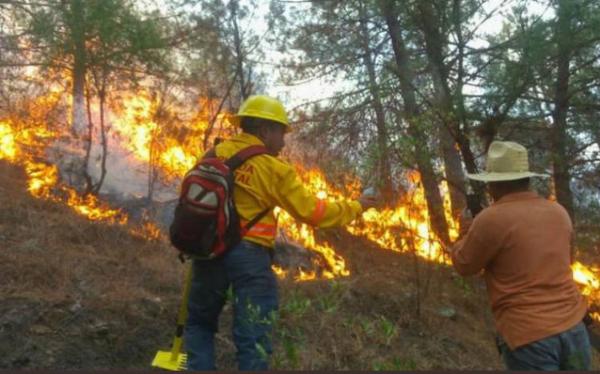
{"x": 239, "y": 54}
{"x": 104, "y": 140}
{"x": 383, "y": 158}
{"x": 411, "y": 112}
{"x": 213, "y": 120}
{"x": 78, "y": 125}
{"x": 559, "y": 134}
{"x": 89, "y": 182}
{"x": 152, "y": 165}
{"x": 154, "y": 151}
{"x": 448, "y": 122}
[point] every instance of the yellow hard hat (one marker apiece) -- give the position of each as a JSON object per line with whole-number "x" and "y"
{"x": 261, "y": 106}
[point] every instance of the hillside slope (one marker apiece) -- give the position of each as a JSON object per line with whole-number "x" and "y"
{"x": 77, "y": 294}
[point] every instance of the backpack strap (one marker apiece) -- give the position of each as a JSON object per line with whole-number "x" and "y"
{"x": 211, "y": 153}
{"x": 242, "y": 156}
{"x": 235, "y": 162}
{"x": 254, "y": 221}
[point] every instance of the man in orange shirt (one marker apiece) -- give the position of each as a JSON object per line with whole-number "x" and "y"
{"x": 523, "y": 244}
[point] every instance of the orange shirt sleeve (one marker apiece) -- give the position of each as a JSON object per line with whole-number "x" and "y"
{"x": 482, "y": 243}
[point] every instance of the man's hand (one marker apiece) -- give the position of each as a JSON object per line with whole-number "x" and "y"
{"x": 368, "y": 201}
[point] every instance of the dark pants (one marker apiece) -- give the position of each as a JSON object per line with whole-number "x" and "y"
{"x": 247, "y": 268}
{"x": 569, "y": 350}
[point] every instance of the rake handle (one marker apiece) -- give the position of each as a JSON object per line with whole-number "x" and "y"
{"x": 182, "y": 315}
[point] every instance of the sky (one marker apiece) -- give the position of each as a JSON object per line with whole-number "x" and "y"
{"x": 318, "y": 89}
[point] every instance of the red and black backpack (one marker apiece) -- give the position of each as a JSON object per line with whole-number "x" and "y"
{"x": 206, "y": 223}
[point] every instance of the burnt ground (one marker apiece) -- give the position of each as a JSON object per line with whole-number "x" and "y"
{"x": 77, "y": 294}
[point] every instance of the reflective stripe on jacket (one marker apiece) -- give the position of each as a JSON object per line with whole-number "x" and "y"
{"x": 265, "y": 181}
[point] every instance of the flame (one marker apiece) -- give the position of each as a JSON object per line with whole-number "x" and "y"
{"x": 305, "y": 276}
{"x": 405, "y": 227}
{"x": 137, "y": 127}
{"x": 589, "y": 281}
{"x": 8, "y": 149}
{"x": 279, "y": 271}
{"x": 315, "y": 182}
{"x": 25, "y": 142}
{"x": 176, "y": 146}
{"x": 586, "y": 277}
{"x": 149, "y": 231}
{"x": 43, "y": 184}
{"x": 305, "y": 236}
{"x": 401, "y": 228}
{"x": 140, "y": 129}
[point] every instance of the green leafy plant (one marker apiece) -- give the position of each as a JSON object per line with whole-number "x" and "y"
{"x": 388, "y": 329}
{"x": 296, "y": 305}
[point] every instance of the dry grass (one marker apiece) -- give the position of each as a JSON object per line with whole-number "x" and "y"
{"x": 77, "y": 294}
{"x": 52, "y": 254}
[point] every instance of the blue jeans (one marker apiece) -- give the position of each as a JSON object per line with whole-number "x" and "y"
{"x": 247, "y": 268}
{"x": 569, "y": 350}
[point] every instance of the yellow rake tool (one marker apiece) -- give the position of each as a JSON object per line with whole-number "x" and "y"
{"x": 174, "y": 359}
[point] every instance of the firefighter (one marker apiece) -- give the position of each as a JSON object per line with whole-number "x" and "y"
{"x": 523, "y": 242}
{"x": 263, "y": 182}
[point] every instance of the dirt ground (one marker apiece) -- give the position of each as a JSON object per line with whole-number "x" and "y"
{"x": 77, "y": 294}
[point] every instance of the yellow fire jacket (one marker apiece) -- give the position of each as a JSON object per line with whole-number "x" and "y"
{"x": 265, "y": 181}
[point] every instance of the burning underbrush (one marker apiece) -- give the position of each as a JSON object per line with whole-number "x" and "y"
{"x": 95, "y": 270}
{"x": 83, "y": 294}
{"x": 148, "y": 135}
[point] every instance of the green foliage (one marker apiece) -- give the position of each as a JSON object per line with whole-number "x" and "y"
{"x": 292, "y": 340}
{"x": 368, "y": 326}
{"x": 292, "y": 355}
{"x": 113, "y": 31}
{"x": 396, "y": 364}
{"x": 464, "y": 285}
{"x": 296, "y": 304}
{"x": 388, "y": 329}
{"x": 330, "y": 301}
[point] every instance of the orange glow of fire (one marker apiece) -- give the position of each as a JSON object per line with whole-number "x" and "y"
{"x": 589, "y": 281}
{"x": 405, "y": 227}
{"x": 43, "y": 184}
{"x": 137, "y": 128}
{"x": 304, "y": 234}
{"x": 279, "y": 271}
{"x": 587, "y": 277}
{"x": 24, "y": 143}
{"x": 174, "y": 148}
{"x": 148, "y": 231}
{"x": 8, "y": 149}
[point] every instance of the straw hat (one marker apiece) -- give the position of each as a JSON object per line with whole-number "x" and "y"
{"x": 506, "y": 161}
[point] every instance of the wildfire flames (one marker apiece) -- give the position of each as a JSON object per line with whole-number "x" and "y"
{"x": 26, "y": 143}
{"x": 138, "y": 122}
{"x": 179, "y": 145}
{"x": 589, "y": 279}
{"x": 406, "y": 226}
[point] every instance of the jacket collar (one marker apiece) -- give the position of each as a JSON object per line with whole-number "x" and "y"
{"x": 517, "y": 196}
{"x": 247, "y": 139}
